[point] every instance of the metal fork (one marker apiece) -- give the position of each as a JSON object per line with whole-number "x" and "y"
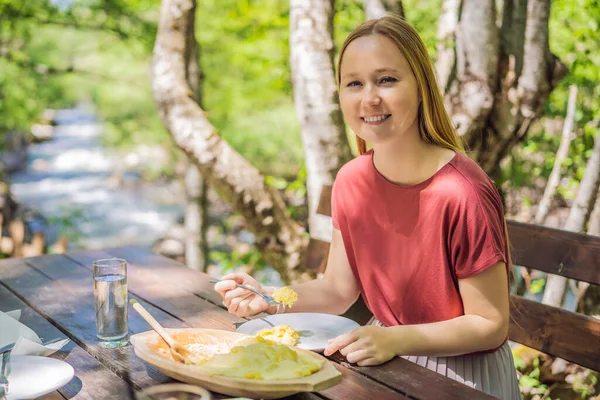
{"x": 268, "y": 299}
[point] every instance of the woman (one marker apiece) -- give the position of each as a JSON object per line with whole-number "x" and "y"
{"x": 419, "y": 228}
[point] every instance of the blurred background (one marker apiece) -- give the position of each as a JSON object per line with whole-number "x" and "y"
{"x": 89, "y": 159}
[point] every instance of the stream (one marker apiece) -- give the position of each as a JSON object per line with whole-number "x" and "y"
{"x": 92, "y": 193}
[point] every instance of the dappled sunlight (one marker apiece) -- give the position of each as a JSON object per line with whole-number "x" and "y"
{"x": 82, "y": 160}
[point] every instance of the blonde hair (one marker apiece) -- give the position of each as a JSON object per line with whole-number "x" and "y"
{"x": 435, "y": 126}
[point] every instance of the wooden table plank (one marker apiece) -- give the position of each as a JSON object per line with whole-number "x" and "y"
{"x": 58, "y": 290}
{"x": 92, "y": 380}
{"x": 416, "y": 380}
{"x": 359, "y": 387}
{"x": 52, "y": 396}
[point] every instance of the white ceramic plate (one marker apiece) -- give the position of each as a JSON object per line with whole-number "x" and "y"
{"x": 31, "y": 376}
{"x": 315, "y": 329}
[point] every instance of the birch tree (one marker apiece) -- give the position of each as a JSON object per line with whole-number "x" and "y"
{"x": 279, "y": 238}
{"x": 317, "y": 105}
{"x": 196, "y": 247}
{"x": 378, "y": 8}
{"x": 578, "y": 216}
{"x": 561, "y": 155}
{"x": 496, "y": 77}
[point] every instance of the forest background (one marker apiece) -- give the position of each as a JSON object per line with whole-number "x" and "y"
{"x": 58, "y": 54}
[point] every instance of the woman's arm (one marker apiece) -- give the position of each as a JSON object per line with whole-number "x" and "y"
{"x": 335, "y": 292}
{"x": 484, "y": 326}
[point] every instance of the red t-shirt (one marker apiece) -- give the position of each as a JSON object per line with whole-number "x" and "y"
{"x": 409, "y": 245}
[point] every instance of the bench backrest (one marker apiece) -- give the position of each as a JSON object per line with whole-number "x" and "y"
{"x": 572, "y": 336}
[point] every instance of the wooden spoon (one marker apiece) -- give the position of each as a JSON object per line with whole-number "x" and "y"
{"x": 178, "y": 352}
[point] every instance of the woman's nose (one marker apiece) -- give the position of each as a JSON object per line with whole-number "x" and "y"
{"x": 371, "y": 96}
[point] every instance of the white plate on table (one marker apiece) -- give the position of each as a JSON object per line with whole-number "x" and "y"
{"x": 32, "y": 376}
{"x": 315, "y": 329}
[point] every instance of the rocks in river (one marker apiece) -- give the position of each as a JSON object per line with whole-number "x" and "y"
{"x": 14, "y": 155}
{"x": 41, "y": 132}
{"x": 21, "y": 233}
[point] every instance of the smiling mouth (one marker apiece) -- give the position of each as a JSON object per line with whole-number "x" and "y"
{"x": 376, "y": 120}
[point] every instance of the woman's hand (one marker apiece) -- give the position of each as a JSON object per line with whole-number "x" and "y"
{"x": 365, "y": 346}
{"x": 241, "y": 302}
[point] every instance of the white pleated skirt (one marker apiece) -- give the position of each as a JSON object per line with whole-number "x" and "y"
{"x": 493, "y": 373}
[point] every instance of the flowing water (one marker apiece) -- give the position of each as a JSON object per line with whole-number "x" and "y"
{"x": 92, "y": 194}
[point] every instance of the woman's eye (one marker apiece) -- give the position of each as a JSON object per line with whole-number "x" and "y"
{"x": 353, "y": 83}
{"x": 388, "y": 79}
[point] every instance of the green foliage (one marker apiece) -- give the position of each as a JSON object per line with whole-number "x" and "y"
{"x": 294, "y": 189}
{"x": 530, "y": 382}
{"x": 574, "y": 39}
{"x": 68, "y": 220}
{"x": 537, "y": 285}
{"x": 247, "y": 89}
{"x": 229, "y": 260}
{"x": 56, "y": 54}
{"x": 20, "y": 77}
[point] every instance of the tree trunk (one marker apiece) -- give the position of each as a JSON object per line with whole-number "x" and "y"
{"x": 503, "y": 76}
{"x": 317, "y": 105}
{"x": 196, "y": 247}
{"x": 561, "y": 154}
{"x": 578, "y": 216}
{"x": 378, "y": 8}
{"x": 279, "y": 238}
{"x": 594, "y": 226}
{"x": 195, "y": 220}
{"x": 446, "y": 55}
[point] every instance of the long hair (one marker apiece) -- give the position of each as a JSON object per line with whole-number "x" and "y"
{"x": 435, "y": 126}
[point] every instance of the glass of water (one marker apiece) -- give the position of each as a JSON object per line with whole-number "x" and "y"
{"x": 110, "y": 301}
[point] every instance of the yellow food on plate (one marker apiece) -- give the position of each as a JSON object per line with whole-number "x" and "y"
{"x": 280, "y": 334}
{"x": 263, "y": 360}
{"x": 285, "y": 295}
{"x": 200, "y": 353}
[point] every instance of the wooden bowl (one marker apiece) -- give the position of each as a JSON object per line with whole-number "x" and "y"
{"x": 148, "y": 345}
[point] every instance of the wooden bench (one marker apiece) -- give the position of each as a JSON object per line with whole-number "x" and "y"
{"x": 551, "y": 330}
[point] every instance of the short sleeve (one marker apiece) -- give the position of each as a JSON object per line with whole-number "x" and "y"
{"x": 478, "y": 239}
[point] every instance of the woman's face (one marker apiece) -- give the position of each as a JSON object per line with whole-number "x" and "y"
{"x": 378, "y": 90}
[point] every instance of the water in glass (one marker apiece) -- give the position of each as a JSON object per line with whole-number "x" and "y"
{"x": 110, "y": 293}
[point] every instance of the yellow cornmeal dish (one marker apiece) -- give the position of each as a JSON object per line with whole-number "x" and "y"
{"x": 285, "y": 295}
{"x": 280, "y": 334}
{"x": 263, "y": 360}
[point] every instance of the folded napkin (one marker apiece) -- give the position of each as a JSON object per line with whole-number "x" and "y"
{"x": 27, "y": 342}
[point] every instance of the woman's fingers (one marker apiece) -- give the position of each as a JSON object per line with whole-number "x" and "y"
{"x": 238, "y": 277}
{"x": 234, "y": 305}
{"x": 240, "y": 301}
{"x": 239, "y": 292}
{"x": 243, "y": 308}
{"x": 223, "y": 286}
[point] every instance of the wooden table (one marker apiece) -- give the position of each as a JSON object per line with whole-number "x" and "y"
{"x": 55, "y": 293}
